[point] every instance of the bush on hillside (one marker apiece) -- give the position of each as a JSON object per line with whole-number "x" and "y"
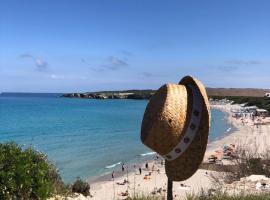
{"x": 249, "y": 162}
{"x": 205, "y": 196}
{"x": 26, "y": 174}
{"x": 224, "y": 196}
{"x": 81, "y": 187}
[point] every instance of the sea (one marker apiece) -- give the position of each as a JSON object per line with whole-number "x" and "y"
{"x": 82, "y": 137}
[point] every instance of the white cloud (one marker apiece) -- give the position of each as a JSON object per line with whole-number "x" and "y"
{"x": 243, "y": 62}
{"x": 26, "y": 55}
{"x": 54, "y": 76}
{"x": 117, "y": 61}
{"x": 40, "y": 63}
{"x": 62, "y": 77}
{"x": 112, "y": 63}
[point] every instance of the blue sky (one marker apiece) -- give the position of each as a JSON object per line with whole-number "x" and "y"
{"x": 65, "y": 46}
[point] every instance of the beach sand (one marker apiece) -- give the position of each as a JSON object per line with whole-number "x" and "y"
{"x": 110, "y": 189}
{"x": 246, "y": 134}
{"x": 251, "y": 137}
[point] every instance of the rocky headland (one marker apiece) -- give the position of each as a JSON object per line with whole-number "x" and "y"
{"x": 136, "y": 94}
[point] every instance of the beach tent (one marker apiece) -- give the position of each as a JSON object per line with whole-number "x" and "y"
{"x": 262, "y": 112}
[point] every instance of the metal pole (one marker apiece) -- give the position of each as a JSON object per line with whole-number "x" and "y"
{"x": 134, "y": 184}
{"x": 169, "y": 190}
{"x": 134, "y": 181}
{"x": 113, "y": 190}
{"x": 127, "y": 179}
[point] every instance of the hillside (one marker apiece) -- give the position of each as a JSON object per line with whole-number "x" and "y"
{"x": 248, "y": 92}
{"x": 146, "y": 94}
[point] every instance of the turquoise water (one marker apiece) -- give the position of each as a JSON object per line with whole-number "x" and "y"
{"x": 84, "y": 138}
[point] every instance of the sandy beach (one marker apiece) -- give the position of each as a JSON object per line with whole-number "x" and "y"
{"x": 154, "y": 181}
{"x": 254, "y": 137}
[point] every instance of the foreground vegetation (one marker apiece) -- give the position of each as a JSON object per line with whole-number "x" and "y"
{"x": 26, "y": 174}
{"x": 224, "y": 196}
{"x": 218, "y": 196}
{"x": 244, "y": 163}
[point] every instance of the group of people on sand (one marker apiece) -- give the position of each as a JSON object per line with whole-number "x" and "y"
{"x": 124, "y": 167}
{"x": 149, "y": 169}
{"x": 140, "y": 169}
{"x": 227, "y": 153}
{"x": 249, "y": 118}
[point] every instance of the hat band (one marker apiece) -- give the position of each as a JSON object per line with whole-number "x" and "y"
{"x": 193, "y": 126}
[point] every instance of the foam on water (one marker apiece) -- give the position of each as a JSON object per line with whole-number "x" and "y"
{"x": 148, "y": 154}
{"x": 112, "y": 166}
{"x": 229, "y": 129}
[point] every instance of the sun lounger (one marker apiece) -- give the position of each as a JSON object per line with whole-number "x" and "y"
{"x": 146, "y": 178}
{"x": 120, "y": 183}
{"x": 123, "y": 194}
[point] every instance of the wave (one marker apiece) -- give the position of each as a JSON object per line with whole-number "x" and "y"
{"x": 147, "y": 154}
{"x": 114, "y": 165}
{"x": 229, "y": 129}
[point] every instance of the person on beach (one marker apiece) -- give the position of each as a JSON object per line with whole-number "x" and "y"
{"x": 113, "y": 175}
{"x": 140, "y": 170}
{"x": 123, "y": 167}
{"x": 146, "y": 165}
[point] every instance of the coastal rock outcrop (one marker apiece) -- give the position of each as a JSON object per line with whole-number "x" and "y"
{"x": 110, "y": 95}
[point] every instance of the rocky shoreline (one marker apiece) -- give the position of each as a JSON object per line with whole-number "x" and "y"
{"x": 114, "y": 95}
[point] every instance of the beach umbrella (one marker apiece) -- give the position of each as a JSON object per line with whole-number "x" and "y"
{"x": 176, "y": 125}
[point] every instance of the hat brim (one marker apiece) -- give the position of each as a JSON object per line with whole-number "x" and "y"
{"x": 187, "y": 164}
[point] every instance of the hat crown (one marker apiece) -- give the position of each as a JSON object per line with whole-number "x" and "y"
{"x": 173, "y": 115}
{"x": 165, "y": 118}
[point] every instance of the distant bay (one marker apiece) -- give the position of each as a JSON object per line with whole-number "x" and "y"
{"x": 83, "y": 137}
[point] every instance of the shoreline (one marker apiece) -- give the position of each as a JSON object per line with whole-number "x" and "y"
{"x": 233, "y": 128}
{"x": 247, "y": 135}
{"x": 133, "y": 165}
{"x": 241, "y": 134}
{"x": 118, "y": 173}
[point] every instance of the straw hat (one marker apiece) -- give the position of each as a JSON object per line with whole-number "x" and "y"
{"x": 176, "y": 124}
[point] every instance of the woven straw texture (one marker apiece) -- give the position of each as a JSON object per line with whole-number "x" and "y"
{"x": 165, "y": 121}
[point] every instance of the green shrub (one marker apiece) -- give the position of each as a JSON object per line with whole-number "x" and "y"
{"x": 246, "y": 163}
{"x": 81, "y": 187}
{"x": 204, "y": 196}
{"x": 224, "y": 196}
{"x": 26, "y": 174}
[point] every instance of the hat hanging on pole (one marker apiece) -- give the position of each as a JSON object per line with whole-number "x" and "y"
{"x": 176, "y": 124}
